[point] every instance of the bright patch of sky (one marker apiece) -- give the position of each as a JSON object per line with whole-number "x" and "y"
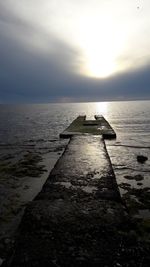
{"x": 108, "y": 36}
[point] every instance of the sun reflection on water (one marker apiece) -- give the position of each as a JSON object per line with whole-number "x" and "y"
{"x": 102, "y": 108}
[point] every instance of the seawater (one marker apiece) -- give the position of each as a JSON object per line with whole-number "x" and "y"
{"x": 38, "y": 126}
{"x": 131, "y": 120}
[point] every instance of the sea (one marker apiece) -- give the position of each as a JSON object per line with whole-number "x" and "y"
{"x": 36, "y": 127}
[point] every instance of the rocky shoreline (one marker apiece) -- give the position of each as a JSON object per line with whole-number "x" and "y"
{"x": 23, "y": 172}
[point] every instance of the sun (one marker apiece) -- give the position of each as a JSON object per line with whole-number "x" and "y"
{"x": 99, "y": 65}
{"x": 101, "y": 44}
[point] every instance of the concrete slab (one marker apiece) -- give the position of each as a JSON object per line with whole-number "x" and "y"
{"x": 77, "y": 218}
{"x": 106, "y": 130}
{"x": 84, "y": 169}
{"x": 63, "y": 233}
{"x": 80, "y": 125}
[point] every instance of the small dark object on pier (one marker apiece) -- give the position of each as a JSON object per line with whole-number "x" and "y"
{"x": 141, "y": 158}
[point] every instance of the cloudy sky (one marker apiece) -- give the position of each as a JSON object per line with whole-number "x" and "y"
{"x": 74, "y": 50}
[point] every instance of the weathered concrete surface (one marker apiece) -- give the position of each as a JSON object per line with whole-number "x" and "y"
{"x": 106, "y": 129}
{"x": 78, "y": 218}
{"x": 84, "y": 168}
{"x": 97, "y": 127}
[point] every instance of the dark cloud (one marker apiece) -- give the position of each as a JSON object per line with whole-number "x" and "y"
{"x": 29, "y": 74}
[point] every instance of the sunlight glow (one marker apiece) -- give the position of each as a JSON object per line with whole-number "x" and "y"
{"x": 99, "y": 38}
{"x": 99, "y": 64}
{"x": 101, "y": 108}
{"x": 102, "y": 44}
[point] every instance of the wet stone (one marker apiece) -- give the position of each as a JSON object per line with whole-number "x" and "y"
{"x": 83, "y": 169}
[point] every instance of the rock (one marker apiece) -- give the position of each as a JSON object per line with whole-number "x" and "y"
{"x": 141, "y": 158}
{"x": 138, "y": 177}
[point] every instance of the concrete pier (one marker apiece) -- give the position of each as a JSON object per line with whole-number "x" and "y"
{"x": 78, "y": 218}
{"x": 99, "y": 126}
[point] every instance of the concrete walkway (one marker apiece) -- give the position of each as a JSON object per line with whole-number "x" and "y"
{"x": 99, "y": 126}
{"x": 78, "y": 218}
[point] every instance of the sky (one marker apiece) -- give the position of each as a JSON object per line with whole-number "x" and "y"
{"x": 74, "y": 50}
